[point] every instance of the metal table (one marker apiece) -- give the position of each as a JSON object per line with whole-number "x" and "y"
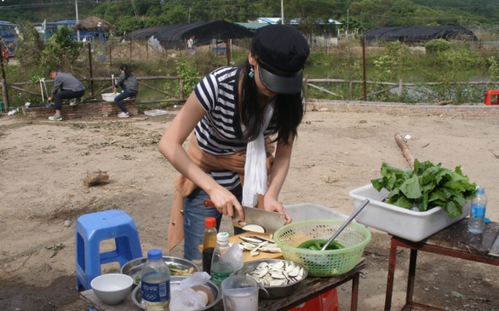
{"x": 453, "y": 241}
{"x": 310, "y": 288}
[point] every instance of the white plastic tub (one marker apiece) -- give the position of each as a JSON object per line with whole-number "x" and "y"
{"x": 410, "y": 225}
{"x": 308, "y": 211}
{"x": 109, "y": 97}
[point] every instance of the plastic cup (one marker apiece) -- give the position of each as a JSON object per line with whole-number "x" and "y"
{"x": 240, "y": 292}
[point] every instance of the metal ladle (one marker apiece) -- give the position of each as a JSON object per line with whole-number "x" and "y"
{"x": 335, "y": 235}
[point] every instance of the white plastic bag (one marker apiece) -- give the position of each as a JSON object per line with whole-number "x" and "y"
{"x": 234, "y": 255}
{"x": 184, "y": 298}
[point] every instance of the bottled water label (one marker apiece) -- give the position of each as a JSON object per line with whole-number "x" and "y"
{"x": 478, "y": 211}
{"x": 155, "y": 292}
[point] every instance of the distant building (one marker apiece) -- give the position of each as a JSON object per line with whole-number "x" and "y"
{"x": 268, "y": 20}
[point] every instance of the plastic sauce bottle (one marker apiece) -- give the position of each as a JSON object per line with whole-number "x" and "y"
{"x": 155, "y": 282}
{"x": 209, "y": 242}
{"x": 476, "y": 222}
{"x": 220, "y": 269}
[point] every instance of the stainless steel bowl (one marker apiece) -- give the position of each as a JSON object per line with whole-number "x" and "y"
{"x": 214, "y": 293}
{"x": 134, "y": 267}
{"x": 274, "y": 291}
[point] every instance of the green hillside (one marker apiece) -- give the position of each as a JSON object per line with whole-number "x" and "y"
{"x": 360, "y": 14}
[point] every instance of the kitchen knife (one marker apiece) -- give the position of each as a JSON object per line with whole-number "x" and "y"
{"x": 270, "y": 221}
{"x": 494, "y": 250}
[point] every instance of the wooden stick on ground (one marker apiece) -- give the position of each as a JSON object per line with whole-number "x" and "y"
{"x": 405, "y": 150}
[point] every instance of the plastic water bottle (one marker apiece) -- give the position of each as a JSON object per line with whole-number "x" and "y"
{"x": 220, "y": 268}
{"x": 155, "y": 282}
{"x": 209, "y": 242}
{"x": 476, "y": 223}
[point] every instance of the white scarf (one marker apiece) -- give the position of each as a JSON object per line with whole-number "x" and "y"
{"x": 255, "y": 168}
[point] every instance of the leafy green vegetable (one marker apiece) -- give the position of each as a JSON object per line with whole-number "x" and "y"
{"x": 426, "y": 187}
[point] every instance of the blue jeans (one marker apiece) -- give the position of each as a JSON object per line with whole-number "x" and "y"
{"x": 59, "y": 96}
{"x": 194, "y": 215}
{"x": 119, "y": 98}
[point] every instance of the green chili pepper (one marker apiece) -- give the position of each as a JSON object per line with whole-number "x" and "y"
{"x": 317, "y": 244}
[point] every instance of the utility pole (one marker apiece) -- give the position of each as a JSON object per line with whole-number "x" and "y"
{"x": 77, "y": 30}
{"x": 282, "y": 12}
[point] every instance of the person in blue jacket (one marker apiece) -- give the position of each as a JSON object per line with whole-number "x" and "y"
{"x": 65, "y": 87}
{"x": 130, "y": 86}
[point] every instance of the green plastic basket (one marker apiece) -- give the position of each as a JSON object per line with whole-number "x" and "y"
{"x": 323, "y": 263}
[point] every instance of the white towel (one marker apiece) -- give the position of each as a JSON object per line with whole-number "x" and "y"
{"x": 255, "y": 168}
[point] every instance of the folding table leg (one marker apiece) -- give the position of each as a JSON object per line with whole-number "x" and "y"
{"x": 355, "y": 291}
{"x": 391, "y": 272}
{"x": 411, "y": 277}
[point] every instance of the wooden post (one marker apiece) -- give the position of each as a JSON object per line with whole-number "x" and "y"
{"x": 91, "y": 69}
{"x": 364, "y": 66}
{"x": 400, "y": 88}
{"x": 182, "y": 89}
{"x": 5, "y": 94}
{"x": 130, "y": 48}
{"x": 110, "y": 54}
{"x": 147, "y": 50}
{"x": 305, "y": 87}
{"x": 227, "y": 51}
{"x": 350, "y": 90}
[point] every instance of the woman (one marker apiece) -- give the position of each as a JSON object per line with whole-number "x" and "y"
{"x": 130, "y": 86}
{"x": 229, "y": 111}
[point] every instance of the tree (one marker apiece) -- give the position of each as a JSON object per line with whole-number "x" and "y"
{"x": 61, "y": 51}
{"x": 29, "y": 46}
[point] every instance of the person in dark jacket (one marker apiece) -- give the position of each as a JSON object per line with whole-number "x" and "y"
{"x": 65, "y": 87}
{"x": 130, "y": 86}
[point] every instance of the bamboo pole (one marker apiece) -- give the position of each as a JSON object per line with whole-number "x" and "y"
{"x": 156, "y": 89}
{"x": 324, "y": 90}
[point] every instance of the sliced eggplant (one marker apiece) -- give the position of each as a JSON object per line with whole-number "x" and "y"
{"x": 254, "y": 228}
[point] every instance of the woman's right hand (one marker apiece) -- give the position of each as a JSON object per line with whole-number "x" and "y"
{"x": 226, "y": 203}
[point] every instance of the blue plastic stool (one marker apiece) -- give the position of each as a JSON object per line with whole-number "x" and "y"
{"x": 91, "y": 230}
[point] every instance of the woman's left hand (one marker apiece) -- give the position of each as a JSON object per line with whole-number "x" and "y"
{"x": 271, "y": 204}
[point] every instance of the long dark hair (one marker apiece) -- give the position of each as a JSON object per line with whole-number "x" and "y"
{"x": 288, "y": 111}
{"x": 126, "y": 70}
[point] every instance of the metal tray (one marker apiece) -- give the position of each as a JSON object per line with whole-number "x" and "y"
{"x": 134, "y": 267}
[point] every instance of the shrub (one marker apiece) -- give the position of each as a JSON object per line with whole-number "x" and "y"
{"x": 437, "y": 45}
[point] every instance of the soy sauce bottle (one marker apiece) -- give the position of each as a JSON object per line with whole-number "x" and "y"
{"x": 209, "y": 242}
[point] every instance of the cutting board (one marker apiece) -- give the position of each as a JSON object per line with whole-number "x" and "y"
{"x": 262, "y": 255}
{"x": 246, "y": 254}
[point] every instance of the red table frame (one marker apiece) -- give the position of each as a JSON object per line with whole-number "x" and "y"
{"x": 435, "y": 245}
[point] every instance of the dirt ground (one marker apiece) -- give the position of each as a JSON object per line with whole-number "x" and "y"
{"x": 42, "y": 194}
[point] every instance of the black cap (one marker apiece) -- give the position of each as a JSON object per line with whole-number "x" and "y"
{"x": 281, "y": 52}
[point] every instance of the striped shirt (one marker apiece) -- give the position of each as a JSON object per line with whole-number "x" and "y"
{"x": 219, "y": 131}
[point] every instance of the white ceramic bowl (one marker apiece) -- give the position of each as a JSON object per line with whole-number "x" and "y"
{"x": 109, "y": 97}
{"x": 112, "y": 288}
